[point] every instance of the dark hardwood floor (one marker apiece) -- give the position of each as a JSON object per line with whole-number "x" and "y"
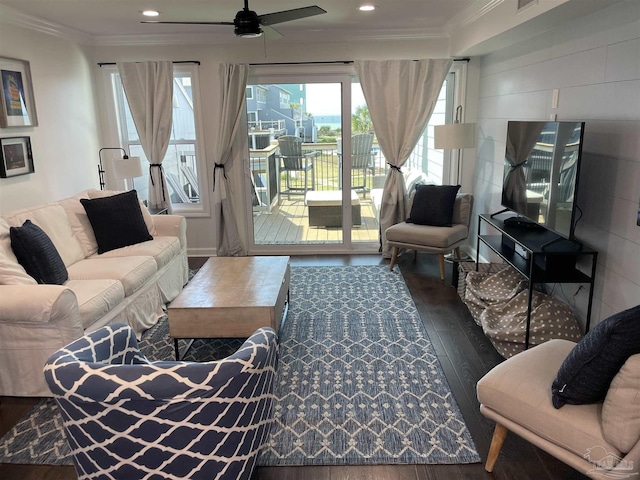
{"x": 465, "y": 354}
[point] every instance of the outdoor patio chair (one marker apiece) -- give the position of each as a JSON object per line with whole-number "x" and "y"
{"x": 177, "y": 189}
{"x": 126, "y": 417}
{"x": 192, "y": 180}
{"x": 295, "y": 160}
{"x": 361, "y": 159}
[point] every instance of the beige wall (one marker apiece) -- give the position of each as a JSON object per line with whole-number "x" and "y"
{"x": 65, "y": 143}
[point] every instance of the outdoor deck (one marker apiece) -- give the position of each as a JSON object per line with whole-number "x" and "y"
{"x": 288, "y": 223}
{"x": 284, "y": 219}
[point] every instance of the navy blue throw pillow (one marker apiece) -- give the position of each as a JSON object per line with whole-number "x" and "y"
{"x": 37, "y": 254}
{"x": 433, "y": 205}
{"x": 117, "y": 220}
{"x": 587, "y": 372}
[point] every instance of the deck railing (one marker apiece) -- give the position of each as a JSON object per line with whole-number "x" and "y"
{"x": 326, "y": 166}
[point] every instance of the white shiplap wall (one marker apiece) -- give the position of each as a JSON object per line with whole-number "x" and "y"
{"x": 594, "y": 61}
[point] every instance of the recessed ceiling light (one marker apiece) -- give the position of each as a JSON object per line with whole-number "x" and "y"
{"x": 367, "y": 7}
{"x": 150, "y": 13}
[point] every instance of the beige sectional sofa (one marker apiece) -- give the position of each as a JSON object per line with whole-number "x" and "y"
{"x": 129, "y": 284}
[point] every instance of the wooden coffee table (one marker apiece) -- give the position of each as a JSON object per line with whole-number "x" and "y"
{"x": 231, "y": 297}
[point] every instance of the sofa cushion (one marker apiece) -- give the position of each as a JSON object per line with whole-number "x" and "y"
{"x": 518, "y": 389}
{"x": 621, "y": 407}
{"x": 148, "y": 218}
{"x": 96, "y": 298}
{"x": 439, "y": 237}
{"x": 433, "y": 205}
{"x": 52, "y": 219}
{"x": 587, "y": 372}
{"x": 80, "y": 224}
{"x": 117, "y": 220}
{"x": 11, "y": 272}
{"x": 132, "y": 272}
{"x": 162, "y": 249}
{"x": 37, "y": 254}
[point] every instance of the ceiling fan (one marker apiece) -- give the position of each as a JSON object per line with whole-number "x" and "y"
{"x": 249, "y": 24}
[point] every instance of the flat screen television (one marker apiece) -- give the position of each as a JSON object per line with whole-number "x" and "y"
{"x": 542, "y": 167}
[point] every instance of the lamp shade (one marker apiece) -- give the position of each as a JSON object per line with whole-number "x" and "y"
{"x": 127, "y": 167}
{"x": 455, "y": 135}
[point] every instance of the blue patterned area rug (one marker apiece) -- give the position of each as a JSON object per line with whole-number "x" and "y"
{"x": 358, "y": 380}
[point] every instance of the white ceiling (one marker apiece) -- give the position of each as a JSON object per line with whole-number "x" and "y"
{"x": 105, "y": 19}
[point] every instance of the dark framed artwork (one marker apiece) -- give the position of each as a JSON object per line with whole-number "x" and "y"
{"x": 18, "y": 108}
{"x": 16, "y": 156}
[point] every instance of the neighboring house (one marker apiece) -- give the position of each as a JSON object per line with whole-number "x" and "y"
{"x": 274, "y": 107}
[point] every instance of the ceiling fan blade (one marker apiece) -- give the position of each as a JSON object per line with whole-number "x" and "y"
{"x": 288, "y": 15}
{"x": 271, "y": 33}
{"x": 188, "y": 23}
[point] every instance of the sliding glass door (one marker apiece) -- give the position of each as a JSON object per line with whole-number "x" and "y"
{"x": 299, "y": 129}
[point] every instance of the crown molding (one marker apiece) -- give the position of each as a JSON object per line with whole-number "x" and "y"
{"x": 14, "y": 17}
{"x": 472, "y": 13}
{"x": 227, "y": 38}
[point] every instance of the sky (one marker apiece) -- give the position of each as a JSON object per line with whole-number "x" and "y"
{"x": 324, "y": 98}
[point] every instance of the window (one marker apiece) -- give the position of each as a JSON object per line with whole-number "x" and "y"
{"x": 285, "y": 99}
{"x": 249, "y": 93}
{"x": 182, "y": 164}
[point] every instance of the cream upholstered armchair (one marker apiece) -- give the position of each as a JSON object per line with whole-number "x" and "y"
{"x": 438, "y": 239}
{"x": 126, "y": 417}
{"x": 578, "y": 402}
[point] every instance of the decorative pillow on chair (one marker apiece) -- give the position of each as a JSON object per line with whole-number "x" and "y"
{"x": 433, "y": 205}
{"x": 587, "y": 372}
{"x": 117, "y": 221}
{"x": 37, "y": 254}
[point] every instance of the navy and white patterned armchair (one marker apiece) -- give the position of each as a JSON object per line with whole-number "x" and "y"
{"x": 129, "y": 418}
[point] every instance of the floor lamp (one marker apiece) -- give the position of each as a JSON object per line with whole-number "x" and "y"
{"x": 455, "y": 136}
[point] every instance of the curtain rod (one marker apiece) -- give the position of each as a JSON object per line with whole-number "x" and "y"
{"x": 100, "y": 64}
{"x": 339, "y": 62}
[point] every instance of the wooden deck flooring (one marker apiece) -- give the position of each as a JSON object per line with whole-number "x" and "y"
{"x": 288, "y": 223}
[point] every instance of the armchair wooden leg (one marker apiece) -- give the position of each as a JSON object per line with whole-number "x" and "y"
{"x": 499, "y": 435}
{"x": 457, "y": 252}
{"x": 441, "y": 262}
{"x": 394, "y": 257}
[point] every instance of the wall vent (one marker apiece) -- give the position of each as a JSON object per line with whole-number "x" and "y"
{"x": 526, "y": 3}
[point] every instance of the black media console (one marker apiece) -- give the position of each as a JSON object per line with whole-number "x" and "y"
{"x": 539, "y": 254}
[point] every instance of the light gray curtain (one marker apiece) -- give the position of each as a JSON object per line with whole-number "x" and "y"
{"x": 148, "y": 87}
{"x": 233, "y": 82}
{"x": 521, "y": 138}
{"x": 401, "y": 95}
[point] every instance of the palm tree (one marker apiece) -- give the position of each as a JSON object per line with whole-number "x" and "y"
{"x": 361, "y": 120}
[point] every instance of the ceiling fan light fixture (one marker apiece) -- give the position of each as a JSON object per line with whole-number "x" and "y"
{"x": 367, "y": 7}
{"x": 248, "y": 34}
{"x": 247, "y": 24}
{"x": 150, "y": 13}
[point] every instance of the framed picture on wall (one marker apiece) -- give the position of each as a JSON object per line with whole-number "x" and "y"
{"x": 18, "y": 107}
{"x": 15, "y": 153}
